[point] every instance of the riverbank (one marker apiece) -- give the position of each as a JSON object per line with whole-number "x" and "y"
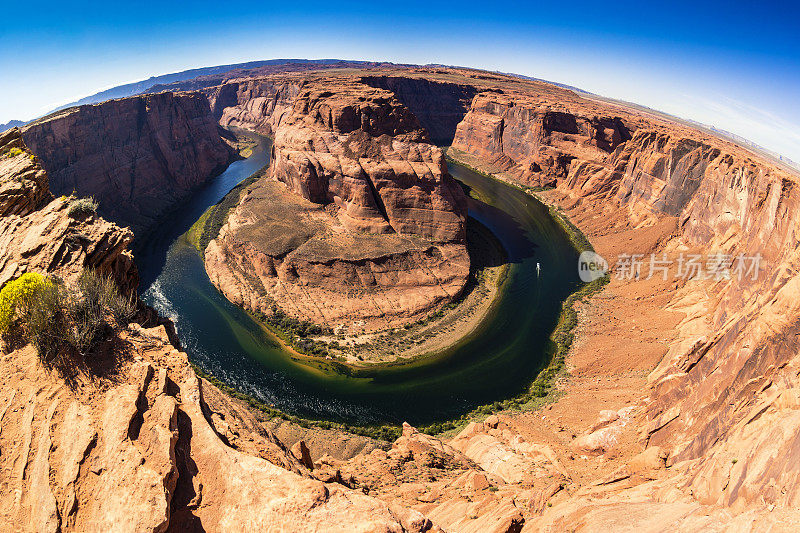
{"x": 543, "y": 389}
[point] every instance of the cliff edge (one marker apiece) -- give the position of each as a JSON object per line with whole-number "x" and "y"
{"x": 138, "y": 157}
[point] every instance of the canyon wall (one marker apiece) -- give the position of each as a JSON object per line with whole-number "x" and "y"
{"x": 259, "y": 103}
{"x": 255, "y": 104}
{"x": 138, "y": 157}
{"x": 383, "y": 238}
{"x": 438, "y": 105}
{"x": 535, "y": 141}
{"x": 362, "y": 150}
{"x": 723, "y": 402}
{"x": 725, "y": 393}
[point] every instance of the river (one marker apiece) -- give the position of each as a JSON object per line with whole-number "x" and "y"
{"x": 497, "y": 360}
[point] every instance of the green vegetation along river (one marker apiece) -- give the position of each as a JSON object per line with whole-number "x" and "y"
{"x": 496, "y": 361}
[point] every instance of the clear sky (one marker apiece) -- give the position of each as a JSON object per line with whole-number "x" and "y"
{"x": 731, "y": 64}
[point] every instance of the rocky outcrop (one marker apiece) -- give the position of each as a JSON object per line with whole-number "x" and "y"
{"x": 371, "y": 230}
{"x": 138, "y": 451}
{"x": 24, "y": 184}
{"x": 533, "y": 141}
{"x": 365, "y": 152}
{"x": 137, "y": 156}
{"x": 253, "y": 104}
{"x": 38, "y": 234}
{"x": 486, "y": 478}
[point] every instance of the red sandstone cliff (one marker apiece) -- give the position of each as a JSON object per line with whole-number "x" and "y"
{"x": 362, "y": 150}
{"x": 137, "y": 156}
{"x": 535, "y": 141}
{"x": 383, "y": 222}
{"x": 438, "y": 105}
{"x": 257, "y": 105}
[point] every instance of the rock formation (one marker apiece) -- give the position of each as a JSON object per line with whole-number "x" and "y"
{"x": 138, "y": 156}
{"x": 374, "y": 234}
{"x": 534, "y": 142}
{"x": 256, "y": 105}
{"x": 37, "y": 234}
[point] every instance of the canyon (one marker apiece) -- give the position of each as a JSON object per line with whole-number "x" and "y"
{"x": 137, "y": 157}
{"x": 680, "y": 409}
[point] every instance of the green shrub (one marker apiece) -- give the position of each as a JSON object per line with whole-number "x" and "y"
{"x": 57, "y": 319}
{"x": 81, "y": 207}
{"x": 33, "y": 302}
{"x": 13, "y": 152}
{"x": 18, "y": 296}
{"x": 99, "y": 297}
{"x": 46, "y": 326}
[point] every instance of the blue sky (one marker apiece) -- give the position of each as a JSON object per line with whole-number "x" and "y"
{"x": 729, "y": 64}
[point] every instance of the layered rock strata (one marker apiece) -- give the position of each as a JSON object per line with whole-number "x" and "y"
{"x": 257, "y": 104}
{"x": 138, "y": 157}
{"x": 535, "y": 142}
{"x": 371, "y": 231}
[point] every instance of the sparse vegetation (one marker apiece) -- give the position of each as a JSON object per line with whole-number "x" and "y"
{"x": 210, "y": 223}
{"x": 295, "y": 332}
{"x": 82, "y": 207}
{"x": 98, "y": 306}
{"x": 13, "y": 152}
{"x": 60, "y": 320}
